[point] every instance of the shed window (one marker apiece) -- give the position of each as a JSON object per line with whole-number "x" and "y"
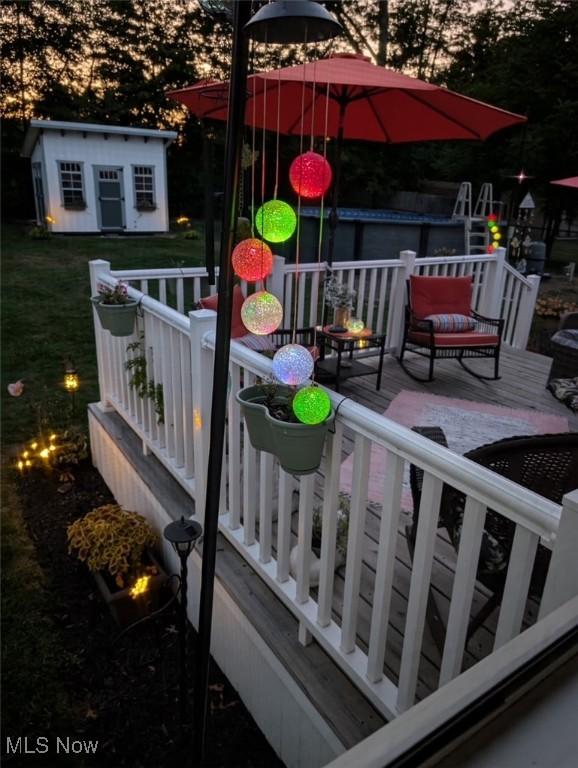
{"x": 144, "y": 191}
{"x": 71, "y": 185}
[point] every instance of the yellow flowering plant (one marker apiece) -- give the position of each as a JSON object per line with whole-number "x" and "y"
{"x": 114, "y": 539}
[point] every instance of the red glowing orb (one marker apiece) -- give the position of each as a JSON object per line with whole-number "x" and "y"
{"x": 252, "y": 260}
{"x": 310, "y": 175}
{"x": 490, "y": 249}
{"x": 492, "y": 217}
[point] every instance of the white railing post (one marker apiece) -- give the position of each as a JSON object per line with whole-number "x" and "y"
{"x": 100, "y": 267}
{"x": 201, "y": 321}
{"x": 276, "y": 281}
{"x": 562, "y": 579}
{"x": 526, "y": 312}
{"x": 399, "y": 298}
{"x": 493, "y": 285}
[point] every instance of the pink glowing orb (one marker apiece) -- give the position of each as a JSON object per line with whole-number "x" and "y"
{"x": 261, "y": 313}
{"x": 252, "y": 260}
{"x": 310, "y": 175}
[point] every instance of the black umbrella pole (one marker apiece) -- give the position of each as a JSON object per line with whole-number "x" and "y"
{"x": 233, "y": 148}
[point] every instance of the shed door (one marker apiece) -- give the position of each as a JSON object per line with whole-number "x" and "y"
{"x": 111, "y": 198}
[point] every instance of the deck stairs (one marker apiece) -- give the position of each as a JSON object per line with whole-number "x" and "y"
{"x": 477, "y": 237}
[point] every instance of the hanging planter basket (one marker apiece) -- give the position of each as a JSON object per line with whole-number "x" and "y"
{"x": 299, "y": 447}
{"x": 116, "y": 318}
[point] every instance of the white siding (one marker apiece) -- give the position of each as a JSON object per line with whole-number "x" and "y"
{"x": 283, "y": 712}
{"x": 95, "y": 150}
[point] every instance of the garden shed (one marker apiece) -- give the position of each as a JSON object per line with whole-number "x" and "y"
{"x": 98, "y": 178}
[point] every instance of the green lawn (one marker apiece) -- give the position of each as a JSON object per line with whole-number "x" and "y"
{"x": 32, "y": 656}
{"x": 47, "y": 317}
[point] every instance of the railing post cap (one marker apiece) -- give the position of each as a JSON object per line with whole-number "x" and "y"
{"x": 570, "y": 501}
{"x": 202, "y": 314}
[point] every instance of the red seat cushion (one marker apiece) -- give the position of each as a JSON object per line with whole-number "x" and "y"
{"x": 237, "y": 327}
{"x": 440, "y": 295}
{"x": 473, "y": 339}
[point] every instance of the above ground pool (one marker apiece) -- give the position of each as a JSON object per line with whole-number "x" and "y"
{"x": 364, "y": 234}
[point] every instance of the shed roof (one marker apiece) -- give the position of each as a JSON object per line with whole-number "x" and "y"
{"x": 37, "y": 126}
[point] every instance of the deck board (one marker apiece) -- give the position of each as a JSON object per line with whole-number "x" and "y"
{"x": 524, "y": 376}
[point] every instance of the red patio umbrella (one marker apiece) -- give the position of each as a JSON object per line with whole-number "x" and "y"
{"x": 363, "y": 102}
{"x": 571, "y": 181}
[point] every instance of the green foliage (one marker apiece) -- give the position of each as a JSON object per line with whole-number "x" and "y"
{"x": 39, "y": 233}
{"x": 140, "y": 381}
{"x": 113, "y": 296}
{"x": 111, "y": 538}
{"x": 277, "y": 400}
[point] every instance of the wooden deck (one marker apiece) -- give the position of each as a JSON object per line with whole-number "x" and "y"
{"x": 522, "y": 385}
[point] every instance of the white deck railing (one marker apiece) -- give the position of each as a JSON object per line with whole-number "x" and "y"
{"x": 257, "y": 503}
{"x": 498, "y": 290}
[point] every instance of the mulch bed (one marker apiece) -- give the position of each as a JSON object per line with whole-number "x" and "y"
{"x": 123, "y": 692}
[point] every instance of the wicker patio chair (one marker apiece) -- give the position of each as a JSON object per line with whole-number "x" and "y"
{"x": 546, "y": 464}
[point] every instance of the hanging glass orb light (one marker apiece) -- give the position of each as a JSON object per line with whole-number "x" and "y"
{"x": 261, "y": 313}
{"x": 355, "y": 325}
{"x": 311, "y": 405}
{"x": 252, "y": 260}
{"x": 292, "y": 364}
{"x": 310, "y": 175}
{"x": 276, "y": 221}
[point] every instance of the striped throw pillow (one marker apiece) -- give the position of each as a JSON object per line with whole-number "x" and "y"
{"x": 257, "y": 343}
{"x": 452, "y": 323}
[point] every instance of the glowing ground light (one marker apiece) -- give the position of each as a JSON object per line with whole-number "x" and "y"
{"x": 310, "y": 175}
{"x": 292, "y": 364}
{"x": 276, "y": 221}
{"x": 311, "y": 405}
{"x": 140, "y": 586}
{"x": 355, "y": 325}
{"x": 252, "y": 260}
{"x": 261, "y": 313}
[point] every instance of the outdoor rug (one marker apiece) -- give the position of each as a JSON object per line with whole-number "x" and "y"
{"x": 466, "y": 424}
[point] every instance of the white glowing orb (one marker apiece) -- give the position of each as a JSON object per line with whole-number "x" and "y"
{"x": 292, "y": 364}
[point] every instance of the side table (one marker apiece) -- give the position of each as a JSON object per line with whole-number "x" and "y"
{"x": 339, "y": 369}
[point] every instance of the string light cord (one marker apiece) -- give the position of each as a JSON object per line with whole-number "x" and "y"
{"x": 339, "y": 404}
{"x": 322, "y": 211}
{"x": 298, "y": 242}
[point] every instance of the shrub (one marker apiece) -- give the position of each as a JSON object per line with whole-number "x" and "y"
{"x": 554, "y": 306}
{"x": 112, "y": 538}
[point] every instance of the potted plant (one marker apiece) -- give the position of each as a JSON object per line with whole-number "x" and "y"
{"x": 116, "y": 544}
{"x": 274, "y": 428}
{"x": 340, "y": 542}
{"x": 341, "y": 298}
{"x": 116, "y": 310}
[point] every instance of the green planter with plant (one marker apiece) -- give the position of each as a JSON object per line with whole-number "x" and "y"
{"x": 274, "y": 428}
{"x": 117, "y": 545}
{"x": 116, "y": 310}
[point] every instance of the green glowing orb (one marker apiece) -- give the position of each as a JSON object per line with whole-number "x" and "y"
{"x": 355, "y": 325}
{"x": 276, "y": 221}
{"x": 311, "y": 405}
